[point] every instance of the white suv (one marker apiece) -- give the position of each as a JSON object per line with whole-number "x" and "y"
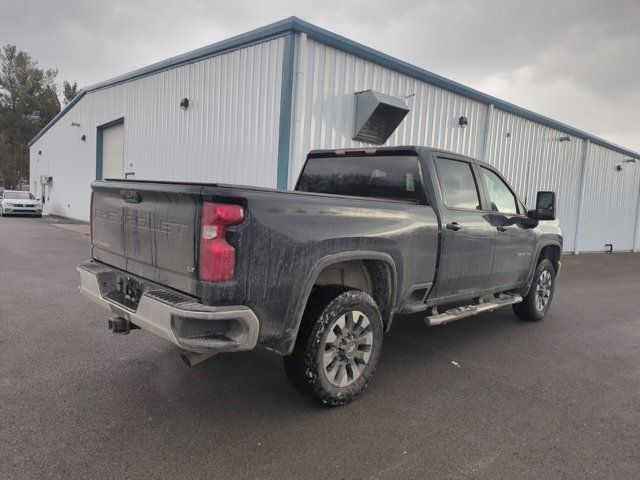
{"x": 19, "y": 203}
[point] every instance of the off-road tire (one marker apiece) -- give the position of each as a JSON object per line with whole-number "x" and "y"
{"x": 529, "y": 309}
{"x": 305, "y": 368}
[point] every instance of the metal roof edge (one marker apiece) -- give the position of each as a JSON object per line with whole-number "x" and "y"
{"x": 342, "y": 43}
{"x": 238, "y": 41}
{"x": 359, "y": 50}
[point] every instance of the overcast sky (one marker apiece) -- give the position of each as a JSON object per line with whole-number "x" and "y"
{"x": 577, "y": 61}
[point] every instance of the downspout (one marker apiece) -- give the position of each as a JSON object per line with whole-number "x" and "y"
{"x": 583, "y": 175}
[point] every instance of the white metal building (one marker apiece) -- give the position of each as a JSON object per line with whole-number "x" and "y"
{"x": 258, "y": 102}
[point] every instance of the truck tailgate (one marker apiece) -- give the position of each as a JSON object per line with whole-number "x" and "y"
{"x": 148, "y": 229}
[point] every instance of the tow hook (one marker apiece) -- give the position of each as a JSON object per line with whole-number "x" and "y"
{"x": 121, "y": 325}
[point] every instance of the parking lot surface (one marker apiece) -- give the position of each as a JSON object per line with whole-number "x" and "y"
{"x": 486, "y": 397}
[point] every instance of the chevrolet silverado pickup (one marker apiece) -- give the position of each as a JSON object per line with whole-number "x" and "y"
{"x": 318, "y": 274}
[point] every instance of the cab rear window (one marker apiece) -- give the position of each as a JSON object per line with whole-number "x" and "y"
{"x": 392, "y": 177}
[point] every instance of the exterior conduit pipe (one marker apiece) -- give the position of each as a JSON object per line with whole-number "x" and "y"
{"x": 487, "y": 132}
{"x": 586, "y": 144}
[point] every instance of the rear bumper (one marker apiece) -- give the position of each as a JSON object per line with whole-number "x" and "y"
{"x": 173, "y": 316}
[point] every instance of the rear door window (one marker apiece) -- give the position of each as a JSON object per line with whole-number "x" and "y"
{"x": 458, "y": 184}
{"x": 393, "y": 177}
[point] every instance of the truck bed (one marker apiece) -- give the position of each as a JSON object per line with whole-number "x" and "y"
{"x": 152, "y": 230}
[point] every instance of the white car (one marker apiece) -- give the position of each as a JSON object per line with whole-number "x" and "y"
{"x": 19, "y": 203}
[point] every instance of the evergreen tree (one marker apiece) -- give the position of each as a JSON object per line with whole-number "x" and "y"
{"x": 28, "y": 101}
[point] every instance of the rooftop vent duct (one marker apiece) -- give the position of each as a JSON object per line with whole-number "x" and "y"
{"x": 377, "y": 116}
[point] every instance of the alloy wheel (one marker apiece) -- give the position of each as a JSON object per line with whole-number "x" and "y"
{"x": 347, "y": 348}
{"x": 543, "y": 290}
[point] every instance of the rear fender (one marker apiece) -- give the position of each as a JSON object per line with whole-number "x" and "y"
{"x": 288, "y": 339}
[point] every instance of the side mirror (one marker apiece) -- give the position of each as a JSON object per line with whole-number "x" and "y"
{"x": 545, "y": 207}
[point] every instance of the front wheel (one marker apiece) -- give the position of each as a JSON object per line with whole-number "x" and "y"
{"x": 536, "y": 304}
{"x": 338, "y": 346}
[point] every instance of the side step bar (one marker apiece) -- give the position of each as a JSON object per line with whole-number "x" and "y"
{"x": 470, "y": 310}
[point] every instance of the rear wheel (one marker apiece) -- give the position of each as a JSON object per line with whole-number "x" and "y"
{"x": 536, "y": 304}
{"x": 338, "y": 346}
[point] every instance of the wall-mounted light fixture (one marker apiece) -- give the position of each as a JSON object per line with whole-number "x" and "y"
{"x": 83, "y": 138}
{"x": 463, "y": 121}
{"x": 184, "y": 103}
{"x": 628, "y": 160}
{"x": 508, "y": 134}
{"x": 75, "y": 124}
{"x": 566, "y": 138}
{"x": 39, "y": 152}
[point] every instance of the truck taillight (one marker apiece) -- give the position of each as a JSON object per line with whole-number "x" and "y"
{"x": 217, "y": 258}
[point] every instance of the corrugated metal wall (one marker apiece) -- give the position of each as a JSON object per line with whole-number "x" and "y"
{"x": 609, "y": 209}
{"x": 324, "y": 105}
{"x": 228, "y": 134}
{"x": 533, "y": 158}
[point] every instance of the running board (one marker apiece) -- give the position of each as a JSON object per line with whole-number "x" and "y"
{"x": 470, "y": 310}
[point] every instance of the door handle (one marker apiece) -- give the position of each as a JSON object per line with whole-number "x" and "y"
{"x": 455, "y": 226}
{"x": 501, "y": 228}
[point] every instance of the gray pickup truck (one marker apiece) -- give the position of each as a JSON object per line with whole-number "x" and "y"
{"x": 318, "y": 274}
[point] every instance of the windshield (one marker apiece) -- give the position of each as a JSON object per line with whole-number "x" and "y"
{"x": 18, "y": 196}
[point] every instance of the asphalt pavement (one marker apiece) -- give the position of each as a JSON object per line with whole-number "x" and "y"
{"x": 489, "y": 397}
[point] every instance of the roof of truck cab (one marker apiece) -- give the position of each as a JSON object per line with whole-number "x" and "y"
{"x": 399, "y": 149}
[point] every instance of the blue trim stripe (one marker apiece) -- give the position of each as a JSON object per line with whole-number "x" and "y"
{"x": 294, "y": 24}
{"x": 286, "y": 101}
{"x": 99, "y": 136}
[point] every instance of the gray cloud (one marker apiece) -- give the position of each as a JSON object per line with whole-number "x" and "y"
{"x": 575, "y": 60}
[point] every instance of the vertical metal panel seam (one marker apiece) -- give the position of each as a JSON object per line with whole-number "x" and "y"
{"x": 286, "y": 97}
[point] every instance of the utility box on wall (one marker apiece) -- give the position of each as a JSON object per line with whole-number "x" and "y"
{"x": 377, "y": 116}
